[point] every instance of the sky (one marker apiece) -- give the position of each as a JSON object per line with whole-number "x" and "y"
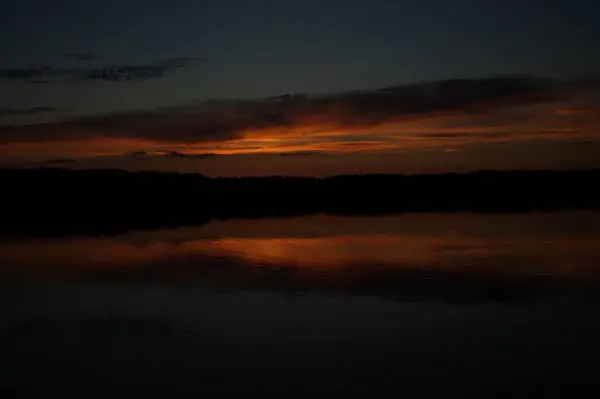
{"x": 313, "y": 87}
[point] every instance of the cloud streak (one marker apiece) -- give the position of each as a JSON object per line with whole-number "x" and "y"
{"x": 60, "y": 161}
{"x": 443, "y": 114}
{"x": 299, "y": 153}
{"x": 80, "y": 56}
{"x": 177, "y": 154}
{"x": 106, "y": 73}
{"x": 10, "y": 111}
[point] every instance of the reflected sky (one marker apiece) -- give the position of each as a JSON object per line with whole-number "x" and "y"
{"x": 485, "y": 305}
{"x": 374, "y": 255}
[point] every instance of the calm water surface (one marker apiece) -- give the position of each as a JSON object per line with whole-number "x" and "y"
{"x": 481, "y": 305}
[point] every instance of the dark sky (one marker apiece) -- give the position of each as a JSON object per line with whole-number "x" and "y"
{"x": 57, "y": 59}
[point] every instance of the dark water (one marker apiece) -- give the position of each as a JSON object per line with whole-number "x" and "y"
{"x": 426, "y": 305}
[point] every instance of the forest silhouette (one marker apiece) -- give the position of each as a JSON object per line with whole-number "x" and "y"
{"x": 55, "y": 201}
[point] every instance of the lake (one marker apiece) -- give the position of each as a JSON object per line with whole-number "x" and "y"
{"x": 466, "y": 304}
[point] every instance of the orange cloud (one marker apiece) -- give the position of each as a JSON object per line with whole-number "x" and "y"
{"x": 578, "y": 111}
{"x": 446, "y": 114}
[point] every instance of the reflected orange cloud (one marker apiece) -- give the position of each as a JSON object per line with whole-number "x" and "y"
{"x": 442, "y": 252}
{"x": 428, "y": 253}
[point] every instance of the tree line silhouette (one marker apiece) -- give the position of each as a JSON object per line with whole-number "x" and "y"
{"x": 50, "y": 201}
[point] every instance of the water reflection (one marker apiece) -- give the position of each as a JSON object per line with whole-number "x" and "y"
{"x": 421, "y": 305}
{"x": 407, "y": 256}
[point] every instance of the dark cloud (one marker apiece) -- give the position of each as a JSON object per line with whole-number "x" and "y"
{"x": 466, "y": 135}
{"x": 299, "y": 153}
{"x": 374, "y": 107}
{"x": 168, "y": 127}
{"x": 119, "y": 73}
{"x": 169, "y": 153}
{"x": 550, "y": 132}
{"x": 60, "y": 161}
{"x": 583, "y": 142}
{"x": 182, "y": 61}
{"x": 579, "y": 111}
{"x": 221, "y": 121}
{"x": 80, "y": 56}
{"x": 445, "y": 135}
{"x": 177, "y": 154}
{"x": 113, "y": 73}
{"x": 5, "y": 111}
{"x": 33, "y": 72}
{"x": 37, "y": 81}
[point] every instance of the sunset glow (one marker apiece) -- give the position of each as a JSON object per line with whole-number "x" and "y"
{"x": 403, "y": 120}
